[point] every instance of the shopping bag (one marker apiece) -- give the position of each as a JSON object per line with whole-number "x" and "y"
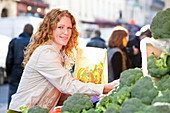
{"x": 91, "y": 65}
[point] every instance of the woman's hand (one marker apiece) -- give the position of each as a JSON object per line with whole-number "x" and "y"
{"x": 135, "y": 50}
{"x": 108, "y": 87}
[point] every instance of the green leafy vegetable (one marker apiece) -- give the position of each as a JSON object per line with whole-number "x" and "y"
{"x": 76, "y": 103}
{"x": 144, "y": 90}
{"x": 160, "y": 26}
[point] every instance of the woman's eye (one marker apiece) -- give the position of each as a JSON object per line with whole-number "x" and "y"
{"x": 60, "y": 27}
{"x": 69, "y": 27}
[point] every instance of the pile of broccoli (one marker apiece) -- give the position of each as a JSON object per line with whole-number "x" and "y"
{"x": 163, "y": 97}
{"x": 160, "y": 108}
{"x": 158, "y": 66}
{"x": 103, "y": 103}
{"x": 123, "y": 94}
{"x": 144, "y": 90}
{"x": 76, "y": 103}
{"x": 164, "y": 83}
{"x": 35, "y": 109}
{"x": 130, "y": 76}
{"x": 160, "y": 26}
{"x": 134, "y": 94}
{"x": 132, "y": 105}
{"x": 113, "y": 108}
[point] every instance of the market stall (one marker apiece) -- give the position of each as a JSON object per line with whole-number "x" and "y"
{"x": 145, "y": 90}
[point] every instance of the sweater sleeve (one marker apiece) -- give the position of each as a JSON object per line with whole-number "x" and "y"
{"x": 50, "y": 66}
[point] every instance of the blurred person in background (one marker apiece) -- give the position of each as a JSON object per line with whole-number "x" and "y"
{"x": 47, "y": 61}
{"x": 15, "y": 56}
{"x": 97, "y": 41}
{"x": 118, "y": 60}
{"x": 133, "y": 46}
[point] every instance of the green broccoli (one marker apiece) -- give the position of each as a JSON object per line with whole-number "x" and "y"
{"x": 164, "y": 83}
{"x": 114, "y": 108}
{"x": 24, "y": 109}
{"x": 162, "y": 108}
{"x": 123, "y": 94}
{"x": 103, "y": 103}
{"x": 115, "y": 90}
{"x": 37, "y": 109}
{"x": 157, "y": 66}
{"x": 76, "y": 103}
{"x": 160, "y": 26}
{"x": 132, "y": 105}
{"x": 130, "y": 76}
{"x": 164, "y": 97}
{"x": 144, "y": 90}
{"x": 92, "y": 110}
{"x": 168, "y": 61}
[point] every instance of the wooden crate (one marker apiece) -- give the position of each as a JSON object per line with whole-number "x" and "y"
{"x": 147, "y": 49}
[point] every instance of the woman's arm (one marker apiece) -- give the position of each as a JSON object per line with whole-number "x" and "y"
{"x": 110, "y": 86}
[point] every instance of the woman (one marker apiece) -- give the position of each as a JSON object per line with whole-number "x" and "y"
{"x": 117, "y": 54}
{"x": 46, "y": 74}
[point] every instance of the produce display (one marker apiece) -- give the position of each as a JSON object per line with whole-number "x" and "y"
{"x": 139, "y": 95}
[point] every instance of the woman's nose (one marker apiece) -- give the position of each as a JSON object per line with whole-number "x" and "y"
{"x": 65, "y": 30}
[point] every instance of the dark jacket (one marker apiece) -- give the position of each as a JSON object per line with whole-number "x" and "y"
{"x": 136, "y": 60}
{"x": 118, "y": 61}
{"x": 97, "y": 42}
{"x": 15, "y": 57}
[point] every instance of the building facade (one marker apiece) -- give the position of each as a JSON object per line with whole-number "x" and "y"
{"x": 102, "y": 12}
{"x": 13, "y": 8}
{"x": 108, "y": 11}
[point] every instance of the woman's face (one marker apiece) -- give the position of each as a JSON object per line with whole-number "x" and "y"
{"x": 63, "y": 32}
{"x": 125, "y": 41}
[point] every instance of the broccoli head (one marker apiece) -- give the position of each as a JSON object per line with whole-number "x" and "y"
{"x": 37, "y": 109}
{"x": 162, "y": 108}
{"x": 160, "y": 26}
{"x": 114, "y": 108}
{"x": 132, "y": 105}
{"x": 103, "y": 103}
{"x": 163, "y": 97}
{"x": 115, "y": 90}
{"x": 164, "y": 83}
{"x": 123, "y": 94}
{"x": 92, "y": 110}
{"x": 157, "y": 66}
{"x": 130, "y": 76}
{"x": 24, "y": 109}
{"x": 76, "y": 103}
{"x": 144, "y": 90}
{"x": 168, "y": 61}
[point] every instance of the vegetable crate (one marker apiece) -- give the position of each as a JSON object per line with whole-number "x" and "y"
{"x": 147, "y": 49}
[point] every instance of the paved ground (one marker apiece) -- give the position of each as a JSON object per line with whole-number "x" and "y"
{"x": 3, "y": 97}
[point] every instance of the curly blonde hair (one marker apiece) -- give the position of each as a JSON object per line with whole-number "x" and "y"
{"x": 44, "y": 34}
